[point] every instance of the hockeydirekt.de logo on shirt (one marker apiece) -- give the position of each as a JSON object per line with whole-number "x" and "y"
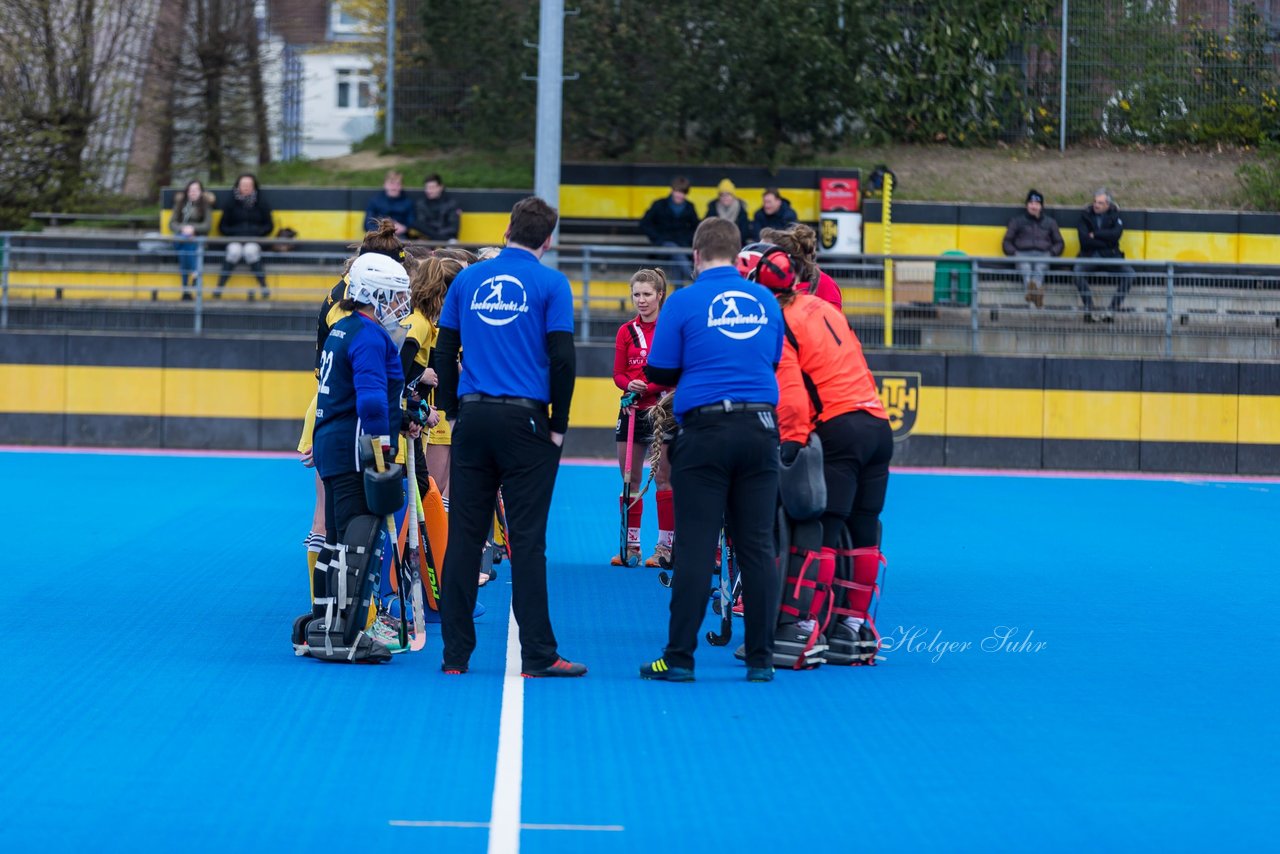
{"x": 736, "y": 314}
{"x": 499, "y": 300}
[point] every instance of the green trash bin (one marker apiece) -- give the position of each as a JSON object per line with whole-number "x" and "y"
{"x": 952, "y": 281}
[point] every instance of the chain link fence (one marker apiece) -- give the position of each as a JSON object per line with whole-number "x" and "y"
{"x": 1152, "y": 71}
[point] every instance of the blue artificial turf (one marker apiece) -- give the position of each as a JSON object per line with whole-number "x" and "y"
{"x": 152, "y": 700}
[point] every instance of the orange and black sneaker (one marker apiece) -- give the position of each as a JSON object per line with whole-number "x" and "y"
{"x": 559, "y": 667}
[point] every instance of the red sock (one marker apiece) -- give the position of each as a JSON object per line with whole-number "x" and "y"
{"x": 666, "y": 517}
{"x": 866, "y": 570}
{"x": 633, "y": 520}
{"x": 635, "y": 514}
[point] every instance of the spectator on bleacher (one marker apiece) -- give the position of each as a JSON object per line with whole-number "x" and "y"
{"x": 1100, "y": 230}
{"x": 800, "y": 242}
{"x": 437, "y": 216}
{"x": 245, "y": 215}
{"x": 671, "y": 221}
{"x": 191, "y": 218}
{"x": 390, "y": 204}
{"x": 775, "y": 212}
{"x": 727, "y": 205}
{"x": 1033, "y": 234}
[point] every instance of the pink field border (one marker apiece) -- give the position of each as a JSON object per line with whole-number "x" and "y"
{"x": 595, "y": 462}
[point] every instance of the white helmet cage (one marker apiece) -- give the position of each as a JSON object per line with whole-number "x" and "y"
{"x": 381, "y": 282}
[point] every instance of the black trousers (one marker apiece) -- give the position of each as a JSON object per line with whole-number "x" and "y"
{"x": 343, "y": 501}
{"x": 856, "y": 450}
{"x": 724, "y": 470}
{"x": 509, "y": 446}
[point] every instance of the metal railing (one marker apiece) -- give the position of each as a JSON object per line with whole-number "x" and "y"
{"x": 949, "y": 303}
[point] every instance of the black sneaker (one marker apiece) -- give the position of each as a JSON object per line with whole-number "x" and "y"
{"x": 453, "y": 669}
{"x": 559, "y": 667}
{"x": 759, "y": 674}
{"x": 664, "y": 672}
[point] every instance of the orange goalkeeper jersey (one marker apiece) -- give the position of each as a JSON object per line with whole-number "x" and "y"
{"x": 822, "y": 373}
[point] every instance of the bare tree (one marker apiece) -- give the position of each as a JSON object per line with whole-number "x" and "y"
{"x": 63, "y": 67}
{"x": 151, "y": 154}
{"x": 220, "y": 108}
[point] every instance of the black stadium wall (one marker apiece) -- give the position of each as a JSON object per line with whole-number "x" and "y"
{"x": 206, "y": 392}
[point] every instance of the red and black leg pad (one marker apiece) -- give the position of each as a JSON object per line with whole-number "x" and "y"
{"x": 806, "y": 595}
{"x": 856, "y": 585}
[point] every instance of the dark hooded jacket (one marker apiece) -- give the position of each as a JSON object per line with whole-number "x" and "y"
{"x": 1106, "y": 228}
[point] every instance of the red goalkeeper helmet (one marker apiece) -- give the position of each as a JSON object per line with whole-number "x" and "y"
{"x": 767, "y": 264}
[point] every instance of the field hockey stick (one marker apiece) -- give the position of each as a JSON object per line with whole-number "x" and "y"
{"x": 629, "y": 411}
{"x": 501, "y": 510}
{"x": 494, "y": 553}
{"x": 415, "y": 572}
{"x": 726, "y": 604}
{"x": 380, "y": 465}
{"x": 429, "y": 559}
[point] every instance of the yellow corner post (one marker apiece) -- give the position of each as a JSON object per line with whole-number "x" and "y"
{"x": 886, "y": 223}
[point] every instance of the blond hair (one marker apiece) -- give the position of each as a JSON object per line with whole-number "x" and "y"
{"x": 663, "y": 421}
{"x": 654, "y": 276}
{"x": 431, "y": 282}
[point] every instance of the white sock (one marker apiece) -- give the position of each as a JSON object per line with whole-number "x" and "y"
{"x": 854, "y": 623}
{"x": 807, "y": 625}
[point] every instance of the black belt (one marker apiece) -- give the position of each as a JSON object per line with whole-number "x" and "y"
{"x": 726, "y": 406}
{"x": 526, "y": 402}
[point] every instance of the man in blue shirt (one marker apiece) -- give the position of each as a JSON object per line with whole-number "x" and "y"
{"x": 514, "y": 317}
{"x": 718, "y": 342}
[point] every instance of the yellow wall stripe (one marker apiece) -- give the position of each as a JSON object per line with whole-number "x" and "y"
{"x": 1259, "y": 420}
{"x": 33, "y": 388}
{"x": 595, "y": 402}
{"x": 960, "y": 411}
{"x": 173, "y": 392}
{"x": 1106, "y": 415}
{"x": 1168, "y": 417}
{"x": 985, "y": 241}
{"x": 1013, "y": 413}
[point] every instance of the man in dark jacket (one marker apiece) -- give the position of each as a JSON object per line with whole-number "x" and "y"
{"x": 775, "y": 212}
{"x": 245, "y": 215}
{"x": 1032, "y": 233}
{"x": 672, "y": 222}
{"x": 1100, "y": 230}
{"x": 437, "y": 216}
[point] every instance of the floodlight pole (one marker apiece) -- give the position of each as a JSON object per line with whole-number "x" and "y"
{"x": 546, "y": 171}
{"x": 1062, "y": 97}
{"x": 390, "y": 101}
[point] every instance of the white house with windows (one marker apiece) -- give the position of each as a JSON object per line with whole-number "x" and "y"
{"x": 328, "y": 91}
